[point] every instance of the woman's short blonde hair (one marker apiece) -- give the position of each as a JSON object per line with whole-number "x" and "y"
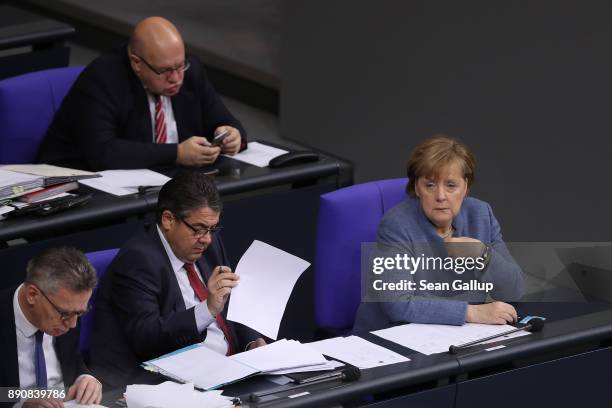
{"x": 435, "y": 152}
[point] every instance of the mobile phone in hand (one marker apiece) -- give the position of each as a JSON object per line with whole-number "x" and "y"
{"x": 218, "y": 140}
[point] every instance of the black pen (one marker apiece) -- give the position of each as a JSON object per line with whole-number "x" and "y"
{"x": 144, "y": 189}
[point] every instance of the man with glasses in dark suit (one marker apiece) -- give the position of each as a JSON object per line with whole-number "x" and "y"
{"x": 167, "y": 287}
{"x": 146, "y": 106}
{"x": 39, "y": 343}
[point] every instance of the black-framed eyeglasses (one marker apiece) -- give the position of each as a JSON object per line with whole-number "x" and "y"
{"x": 201, "y": 232}
{"x": 163, "y": 71}
{"x": 64, "y": 314}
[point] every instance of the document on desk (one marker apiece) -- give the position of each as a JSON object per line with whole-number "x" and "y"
{"x": 358, "y": 352}
{"x": 283, "y": 355}
{"x": 437, "y": 338}
{"x": 258, "y": 154}
{"x": 267, "y": 277}
{"x": 199, "y": 365}
{"x": 49, "y": 172}
{"x": 125, "y": 182}
{"x": 13, "y": 184}
{"x": 170, "y": 395}
{"x": 74, "y": 404}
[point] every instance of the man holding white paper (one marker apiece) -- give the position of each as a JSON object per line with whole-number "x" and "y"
{"x": 168, "y": 287}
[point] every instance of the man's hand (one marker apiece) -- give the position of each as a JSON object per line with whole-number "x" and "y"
{"x": 259, "y": 342}
{"x": 196, "y": 151}
{"x": 231, "y": 143}
{"x": 220, "y": 285}
{"x": 491, "y": 313}
{"x": 43, "y": 403}
{"x": 86, "y": 391}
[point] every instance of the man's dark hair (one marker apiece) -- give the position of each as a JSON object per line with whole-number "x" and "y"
{"x": 189, "y": 190}
{"x": 62, "y": 267}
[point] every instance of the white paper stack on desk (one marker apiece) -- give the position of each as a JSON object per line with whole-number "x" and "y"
{"x": 170, "y": 395}
{"x": 13, "y": 184}
{"x": 358, "y": 352}
{"x": 207, "y": 369}
{"x": 437, "y": 338}
{"x": 284, "y": 357}
{"x": 25, "y": 184}
{"x": 125, "y": 182}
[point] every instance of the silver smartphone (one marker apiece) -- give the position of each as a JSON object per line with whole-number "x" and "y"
{"x": 218, "y": 140}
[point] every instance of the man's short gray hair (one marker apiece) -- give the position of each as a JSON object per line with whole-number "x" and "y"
{"x": 62, "y": 267}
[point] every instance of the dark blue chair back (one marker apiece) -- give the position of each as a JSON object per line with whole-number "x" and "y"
{"x": 347, "y": 217}
{"x": 27, "y": 106}
{"x": 100, "y": 261}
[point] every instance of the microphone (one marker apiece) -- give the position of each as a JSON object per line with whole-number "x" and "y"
{"x": 534, "y": 326}
{"x": 350, "y": 373}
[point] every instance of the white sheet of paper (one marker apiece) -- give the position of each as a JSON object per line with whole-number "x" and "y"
{"x": 170, "y": 394}
{"x": 358, "y": 352}
{"x": 73, "y": 404}
{"x": 8, "y": 178}
{"x": 125, "y": 182}
{"x": 280, "y": 355}
{"x": 258, "y": 154}
{"x": 267, "y": 277}
{"x": 203, "y": 367}
{"x": 47, "y": 170}
{"x": 437, "y": 338}
{"x": 159, "y": 396}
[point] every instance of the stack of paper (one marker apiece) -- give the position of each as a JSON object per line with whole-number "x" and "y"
{"x": 264, "y": 269}
{"x": 437, "y": 338}
{"x": 13, "y": 184}
{"x": 283, "y": 357}
{"x": 52, "y": 174}
{"x": 199, "y": 365}
{"x": 170, "y": 395}
{"x": 207, "y": 369}
{"x": 358, "y": 352}
{"x": 125, "y": 182}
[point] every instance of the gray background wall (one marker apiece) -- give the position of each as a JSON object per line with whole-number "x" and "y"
{"x": 526, "y": 84}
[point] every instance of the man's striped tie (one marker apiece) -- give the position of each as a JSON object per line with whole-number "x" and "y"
{"x": 160, "y": 121}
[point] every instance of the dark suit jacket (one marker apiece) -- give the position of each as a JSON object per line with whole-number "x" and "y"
{"x": 140, "y": 313}
{"x": 66, "y": 348}
{"x": 105, "y": 123}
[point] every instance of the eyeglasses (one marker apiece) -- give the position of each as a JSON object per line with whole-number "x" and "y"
{"x": 201, "y": 232}
{"x": 64, "y": 314}
{"x": 163, "y": 71}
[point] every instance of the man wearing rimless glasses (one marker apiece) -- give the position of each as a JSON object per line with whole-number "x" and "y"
{"x": 167, "y": 288}
{"x": 38, "y": 346}
{"x": 148, "y": 105}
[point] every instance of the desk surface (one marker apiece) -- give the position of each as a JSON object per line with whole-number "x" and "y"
{"x": 235, "y": 177}
{"x": 568, "y": 325}
{"x": 589, "y": 323}
{"x": 21, "y": 28}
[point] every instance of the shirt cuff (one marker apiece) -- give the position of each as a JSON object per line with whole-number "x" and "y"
{"x": 202, "y": 316}
{"x": 246, "y": 348}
